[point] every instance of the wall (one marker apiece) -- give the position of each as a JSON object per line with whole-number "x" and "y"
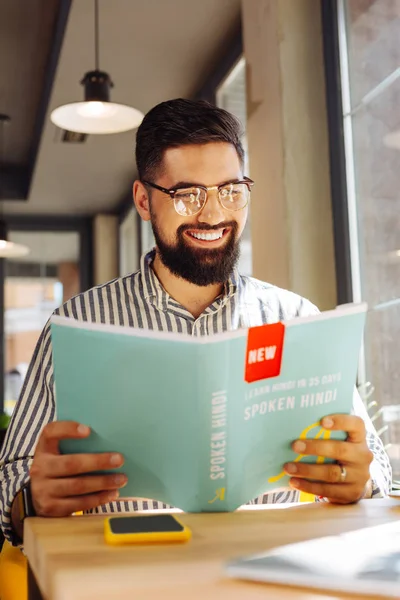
{"x": 28, "y": 304}
{"x": 19, "y": 348}
{"x": 20, "y": 293}
{"x": 105, "y": 248}
{"x": 68, "y": 276}
{"x": 292, "y": 231}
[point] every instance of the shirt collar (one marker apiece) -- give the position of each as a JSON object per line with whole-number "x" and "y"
{"x": 153, "y": 290}
{"x": 155, "y": 293}
{"x": 231, "y": 285}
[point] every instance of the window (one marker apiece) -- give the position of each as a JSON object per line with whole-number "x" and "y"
{"x": 231, "y": 95}
{"x": 369, "y": 49}
{"x": 34, "y": 287}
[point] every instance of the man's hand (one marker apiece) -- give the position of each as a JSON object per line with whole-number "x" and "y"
{"x": 60, "y": 484}
{"x": 326, "y": 479}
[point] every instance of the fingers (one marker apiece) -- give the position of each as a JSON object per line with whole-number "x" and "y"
{"x": 53, "y": 432}
{"x": 354, "y": 426}
{"x": 328, "y": 473}
{"x": 75, "y": 464}
{"x": 339, "y": 494}
{"x": 325, "y": 479}
{"x": 63, "y": 496}
{"x": 343, "y": 452}
{"x": 80, "y": 486}
{"x": 66, "y": 506}
{"x": 57, "y": 483}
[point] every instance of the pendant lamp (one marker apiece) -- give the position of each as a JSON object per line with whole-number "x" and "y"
{"x": 96, "y": 115}
{"x": 7, "y": 249}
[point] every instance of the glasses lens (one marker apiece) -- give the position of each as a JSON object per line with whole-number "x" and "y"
{"x": 234, "y": 196}
{"x": 189, "y": 201}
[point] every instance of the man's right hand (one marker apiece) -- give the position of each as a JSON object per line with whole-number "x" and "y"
{"x": 61, "y": 484}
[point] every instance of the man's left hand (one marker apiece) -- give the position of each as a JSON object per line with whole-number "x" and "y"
{"x": 344, "y": 482}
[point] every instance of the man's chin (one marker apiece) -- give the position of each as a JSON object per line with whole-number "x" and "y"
{"x": 198, "y": 264}
{"x": 207, "y": 254}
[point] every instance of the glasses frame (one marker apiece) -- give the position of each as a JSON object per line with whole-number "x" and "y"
{"x": 173, "y": 191}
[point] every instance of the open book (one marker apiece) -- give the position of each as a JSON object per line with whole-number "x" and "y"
{"x": 364, "y": 562}
{"x": 206, "y": 423}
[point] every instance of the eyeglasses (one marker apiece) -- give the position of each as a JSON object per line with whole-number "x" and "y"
{"x": 189, "y": 201}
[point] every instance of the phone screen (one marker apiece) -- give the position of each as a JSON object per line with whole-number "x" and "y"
{"x": 150, "y": 524}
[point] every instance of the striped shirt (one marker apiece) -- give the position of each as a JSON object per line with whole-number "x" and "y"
{"x": 139, "y": 300}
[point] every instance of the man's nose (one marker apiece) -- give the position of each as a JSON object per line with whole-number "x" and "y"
{"x": 213, "y": 212}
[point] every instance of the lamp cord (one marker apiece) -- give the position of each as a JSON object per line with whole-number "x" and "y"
{"x": 96, "y": 34}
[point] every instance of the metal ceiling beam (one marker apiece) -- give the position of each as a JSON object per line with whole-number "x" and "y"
{"x": 17, "y": 181}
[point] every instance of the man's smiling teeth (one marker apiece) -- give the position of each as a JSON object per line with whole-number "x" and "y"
{"x": 209, "y": 237}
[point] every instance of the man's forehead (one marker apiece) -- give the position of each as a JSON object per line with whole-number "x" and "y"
{"x": 207, "y": 164}
{"x": 187, "y": 152}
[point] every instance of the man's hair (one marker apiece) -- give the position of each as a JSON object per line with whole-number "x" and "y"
{"x": 182, "y": 122}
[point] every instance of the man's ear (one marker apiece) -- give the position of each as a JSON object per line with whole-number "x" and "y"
{"x": 141, "y": 200}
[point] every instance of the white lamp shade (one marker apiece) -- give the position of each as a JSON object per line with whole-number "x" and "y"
{"x": 96, "y": 117}
{"x": 11, "y": 250}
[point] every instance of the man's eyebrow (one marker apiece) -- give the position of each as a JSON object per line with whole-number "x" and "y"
{"x": 187, "y": 184}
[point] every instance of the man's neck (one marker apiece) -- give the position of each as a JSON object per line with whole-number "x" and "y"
{"x": 194, "y": 298}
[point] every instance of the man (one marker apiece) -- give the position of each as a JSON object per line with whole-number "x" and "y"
{"x": 192, "y": 188}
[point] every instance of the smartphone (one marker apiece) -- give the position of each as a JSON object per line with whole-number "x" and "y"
{"x": 145, "y": 530}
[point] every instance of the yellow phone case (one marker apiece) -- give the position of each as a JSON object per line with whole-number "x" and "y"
{"x": 153, "y": 537}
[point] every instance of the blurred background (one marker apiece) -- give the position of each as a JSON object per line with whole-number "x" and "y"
{"x": 316, "y": 85}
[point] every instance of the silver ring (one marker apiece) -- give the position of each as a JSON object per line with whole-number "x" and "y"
{"x": 343, "y": 473}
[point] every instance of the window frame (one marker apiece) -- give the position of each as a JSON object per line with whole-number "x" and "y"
{"x": 337, "y": 152}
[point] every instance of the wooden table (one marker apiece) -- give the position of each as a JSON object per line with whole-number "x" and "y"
{"x": 71, "y": 561}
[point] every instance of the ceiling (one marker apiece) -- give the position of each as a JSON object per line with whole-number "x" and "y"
{"x": 26, "y": 31}
{"x": 23, "y": 29}
{"x": 153, "y": 50}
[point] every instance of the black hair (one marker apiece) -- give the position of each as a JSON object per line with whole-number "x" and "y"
{"x": 182, "y": 122}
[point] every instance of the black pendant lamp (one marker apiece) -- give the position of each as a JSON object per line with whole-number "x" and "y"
{"x": 96, "y": 115}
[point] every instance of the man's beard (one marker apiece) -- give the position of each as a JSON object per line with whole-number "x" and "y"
{"x": 201, "y": 266}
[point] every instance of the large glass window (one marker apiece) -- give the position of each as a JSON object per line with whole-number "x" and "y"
{"x": 34, "y": 287}
{"x": 231, "y": 95}
{"x": 369, "y": 41}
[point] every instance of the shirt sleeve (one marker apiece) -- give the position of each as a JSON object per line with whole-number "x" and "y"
{"x": 35, "y": 408}
{"x": 380, "y": 469}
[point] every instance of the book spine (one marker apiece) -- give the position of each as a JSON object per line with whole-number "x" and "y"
{"x": 214, "y": 401}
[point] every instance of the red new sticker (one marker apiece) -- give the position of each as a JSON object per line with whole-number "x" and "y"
{"x": 264, "y": 352}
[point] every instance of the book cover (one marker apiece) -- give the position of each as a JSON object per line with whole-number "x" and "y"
{"x": 206, "y": 423}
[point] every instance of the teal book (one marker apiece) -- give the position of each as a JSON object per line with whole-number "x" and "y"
{"x": 206, "y": 423}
